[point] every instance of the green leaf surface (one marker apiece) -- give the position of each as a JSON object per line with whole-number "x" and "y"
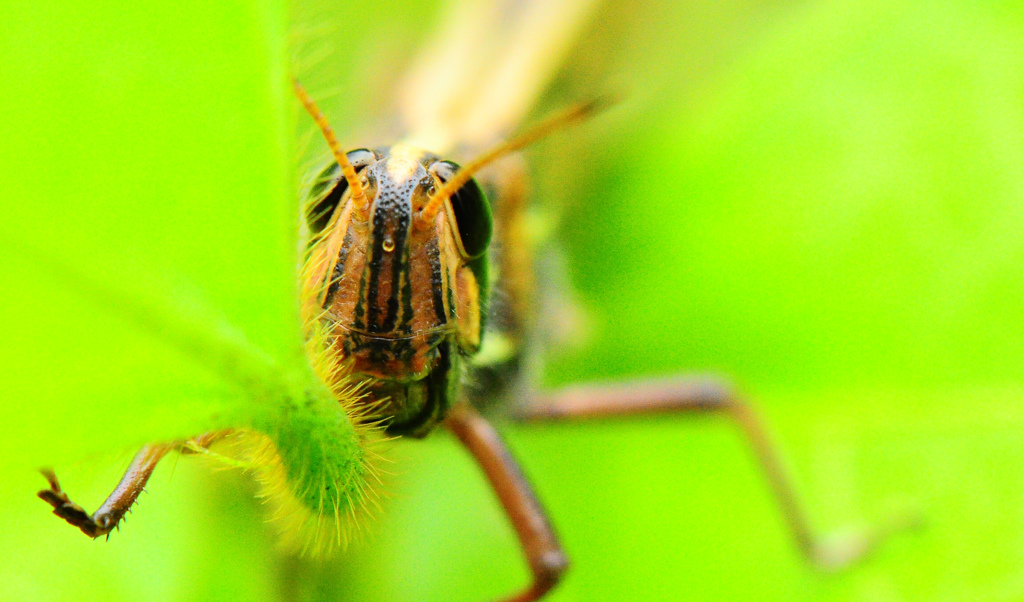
{"x": 148, "y": 209}
{"x": 146, "y": 190}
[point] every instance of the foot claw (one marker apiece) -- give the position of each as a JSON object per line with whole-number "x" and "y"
{"x": 65, "y": 508}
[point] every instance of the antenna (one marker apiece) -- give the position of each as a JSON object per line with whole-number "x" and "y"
{"x": 358, "y": 195}
{"x": 569, "y": 116}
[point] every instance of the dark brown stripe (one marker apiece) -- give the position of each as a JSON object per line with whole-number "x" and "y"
{"x": 436, "y": 282}
{"x": 359, "y": 313}
{"x": 339, "y": 267}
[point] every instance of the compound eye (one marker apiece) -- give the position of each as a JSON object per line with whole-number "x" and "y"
{"x": 472, "y": 211}
{"x": 329, "y": 187}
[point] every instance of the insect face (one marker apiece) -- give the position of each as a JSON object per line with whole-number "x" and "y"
{"x": 400, "y": 292}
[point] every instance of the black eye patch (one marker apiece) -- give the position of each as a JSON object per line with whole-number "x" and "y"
{"x": 330, "y": 186}
{"x": 472, "y": 211}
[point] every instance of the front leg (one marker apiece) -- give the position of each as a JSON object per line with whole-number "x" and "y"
{"x": 132, "y": 484}
{"x": 540, "y": 544}
{"x": 704, "y": 394}
{"x": 109, "y": 515}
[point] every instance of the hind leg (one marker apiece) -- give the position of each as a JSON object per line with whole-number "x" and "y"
{"x": 709, "y": 395}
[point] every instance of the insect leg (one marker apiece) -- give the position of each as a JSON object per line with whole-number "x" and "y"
{"x": 117, "y": 504}
{"x": 706, "y": 394}
{"x": 540, "y": 544}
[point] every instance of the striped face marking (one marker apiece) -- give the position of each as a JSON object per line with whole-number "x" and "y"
{"x": 396, "y": 288}
{"x": 387, "y": 291}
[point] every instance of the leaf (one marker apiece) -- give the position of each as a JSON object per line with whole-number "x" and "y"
{"x": 145, "y": 172}
{"x": 149, "y": 224}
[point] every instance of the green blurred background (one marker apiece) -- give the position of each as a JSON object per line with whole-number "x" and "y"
{"x": 823, "y": 200}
